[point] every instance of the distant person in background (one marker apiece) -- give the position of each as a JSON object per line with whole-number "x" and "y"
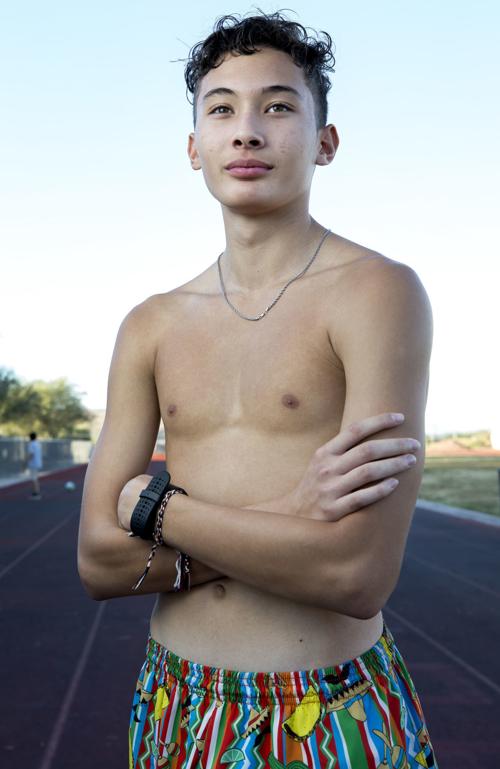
{"x": 34, "y": 464}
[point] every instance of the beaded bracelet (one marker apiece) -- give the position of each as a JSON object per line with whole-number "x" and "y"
{"x": 183, "y": 579}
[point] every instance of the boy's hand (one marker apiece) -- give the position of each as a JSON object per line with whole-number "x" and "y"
{"x": 129, "y": 496}
{"x": 331, "y": 485}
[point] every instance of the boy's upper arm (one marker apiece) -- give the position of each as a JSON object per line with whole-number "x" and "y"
{"x": 131, "y": 423}
{"x": 384, "y": 340}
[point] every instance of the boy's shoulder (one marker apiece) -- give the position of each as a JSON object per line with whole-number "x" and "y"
{"x": 203, "y": 283}
{"x": 362, "y": 277}
{"x": 371, "y": 303}
{"x": 368, "y": 290}
{"x": 353, "y": 261}
{"x": 160, "y": 313}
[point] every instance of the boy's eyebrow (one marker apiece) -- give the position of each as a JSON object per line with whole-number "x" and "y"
{"x": 268, "y": 89}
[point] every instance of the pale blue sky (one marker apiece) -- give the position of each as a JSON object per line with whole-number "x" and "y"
{"x": 99, "y": 207}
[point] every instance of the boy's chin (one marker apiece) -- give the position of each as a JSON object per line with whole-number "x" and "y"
{"x": 249, "y": 207}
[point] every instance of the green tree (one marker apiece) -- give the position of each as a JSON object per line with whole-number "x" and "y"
{"x": 60, "y": 408}
{"x": 18, "y": 402}
{"x": 51, "y": 409}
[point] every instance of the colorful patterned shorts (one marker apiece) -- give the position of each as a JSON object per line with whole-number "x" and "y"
{"x": 361, "y": 714}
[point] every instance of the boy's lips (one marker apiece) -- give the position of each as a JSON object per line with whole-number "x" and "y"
{"x": 248, "y": 168}
{"x": 247, "y": 163}
{"x": 248, "y": 172}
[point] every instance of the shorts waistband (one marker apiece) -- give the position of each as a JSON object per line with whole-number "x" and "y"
{"x": 238, "y": 686}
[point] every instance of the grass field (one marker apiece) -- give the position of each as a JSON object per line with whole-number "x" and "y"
{"x": 468, "y": 482}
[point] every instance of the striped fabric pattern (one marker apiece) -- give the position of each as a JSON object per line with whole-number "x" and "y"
{"x": 361, "y": 714}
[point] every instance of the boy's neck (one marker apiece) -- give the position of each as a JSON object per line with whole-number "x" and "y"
{"x": 267, "y": 250}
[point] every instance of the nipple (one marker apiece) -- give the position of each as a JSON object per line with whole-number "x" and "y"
{"x": 290, "y": 401}
{"x": 172, "y": 409}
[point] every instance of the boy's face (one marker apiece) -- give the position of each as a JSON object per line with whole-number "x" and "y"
{"x": 253, "y": 120}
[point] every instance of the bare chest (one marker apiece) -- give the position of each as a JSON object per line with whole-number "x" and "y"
{"x": 216, "y": 371}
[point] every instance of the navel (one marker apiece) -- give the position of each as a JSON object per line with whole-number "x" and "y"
{"x": 220, "y": 590}
{"x": 290, "y": 401}
{"x": 171, "y": 410}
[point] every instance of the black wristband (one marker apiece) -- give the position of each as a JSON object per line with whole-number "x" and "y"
{"x": 144, "y": 514}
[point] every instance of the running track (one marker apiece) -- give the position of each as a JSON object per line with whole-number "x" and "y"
{"x": 69, "y": 664}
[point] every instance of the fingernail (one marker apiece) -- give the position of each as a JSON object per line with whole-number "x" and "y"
{"x": 393, "y": 483}
{"x": 398, "y": 417}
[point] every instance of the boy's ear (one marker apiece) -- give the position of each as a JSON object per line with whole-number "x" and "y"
{"x": 193, "y": 153}
{"x": 329, "y": 142}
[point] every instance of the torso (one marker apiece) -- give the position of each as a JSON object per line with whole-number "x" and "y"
{"x": 245, "y": 405}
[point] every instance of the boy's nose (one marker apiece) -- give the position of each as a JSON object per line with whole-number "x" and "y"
{"x": 246, "y": 136}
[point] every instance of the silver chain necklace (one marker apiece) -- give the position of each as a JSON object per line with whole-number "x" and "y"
{"x": 258, "y": 317}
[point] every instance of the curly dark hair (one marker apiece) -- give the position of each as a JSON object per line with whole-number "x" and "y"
{"x": 245, "y": 36}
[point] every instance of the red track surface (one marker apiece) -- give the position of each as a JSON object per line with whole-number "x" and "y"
{"x": 69, "y": 665}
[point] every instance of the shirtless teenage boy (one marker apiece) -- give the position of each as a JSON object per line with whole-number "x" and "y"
{"x": 296, "y": 531}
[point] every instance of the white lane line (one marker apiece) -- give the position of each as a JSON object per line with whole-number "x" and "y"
{"x": 455, "y": 575}
{"x": 444, "y": 650}
{"x": 34, "y": 546}
{"x": 64, "y": 712}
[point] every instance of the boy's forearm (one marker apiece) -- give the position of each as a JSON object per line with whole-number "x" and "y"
{"x": 283, "y": 554}
{"x": 112, "y": 562}
{"x": 115, "y": 561}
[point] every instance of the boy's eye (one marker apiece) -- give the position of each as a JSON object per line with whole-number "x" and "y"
{"x": 280, "y": 106}
{"x": 215, "y": 110}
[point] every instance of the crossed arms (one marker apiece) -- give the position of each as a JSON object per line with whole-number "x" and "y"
{"x": 320, "y": 544}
